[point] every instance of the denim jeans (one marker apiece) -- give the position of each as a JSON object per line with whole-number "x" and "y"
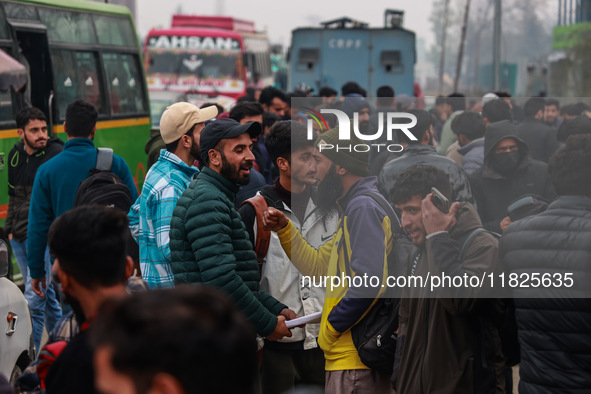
{"x": 44, "y": 310}
{"x": 20, "y": 253}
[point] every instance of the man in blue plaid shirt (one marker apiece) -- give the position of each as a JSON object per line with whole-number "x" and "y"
{"x": 149, "y": 217}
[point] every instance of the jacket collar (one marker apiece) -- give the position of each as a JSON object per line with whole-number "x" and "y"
{"x": 225, "y": 185}
{"x": 418, "y": 149}
{"x": 571, "y": 202}
{"x": 78, "y": 142}
{"x": 177, "y": 162}
{"x": 467, "y": 219}
{"x": 363, "y": 185}
{"x": 471, "y": 145}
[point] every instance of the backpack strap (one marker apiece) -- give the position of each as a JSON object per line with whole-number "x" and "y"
{"x": 466, "y": 239}
{"x": 104, "y": 159}
{"x": 395, "y": 227}
{"x": 263, "y": 237}
{"x": 385, "y": 205}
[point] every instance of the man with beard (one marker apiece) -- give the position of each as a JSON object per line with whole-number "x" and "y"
{"x": 508, "y": 172}
{"x": 208, "y": 242}
{"x": 358, "y": 250}
{"x": 149, "y": 218}
{"x": 448, "y": 340}
{"x": 24, "y": 159}
{"x": 296, "y": 360}
{"x": 92, "y": 266}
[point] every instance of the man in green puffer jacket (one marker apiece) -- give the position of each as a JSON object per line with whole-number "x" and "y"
{"x": 208, "y": 241}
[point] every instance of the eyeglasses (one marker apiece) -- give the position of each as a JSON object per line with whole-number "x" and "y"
{"x": 511, "y": 148}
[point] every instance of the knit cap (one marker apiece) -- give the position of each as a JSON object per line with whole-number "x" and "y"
{"x": 343, "y": 152}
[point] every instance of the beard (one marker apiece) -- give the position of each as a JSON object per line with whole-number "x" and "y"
{"x": 328, "y": 190}
{"x": 76, "y": 308}
{"x": 38, "y": 144}
{"x": 195, "y": 152}
{"x": 232, "y": 172}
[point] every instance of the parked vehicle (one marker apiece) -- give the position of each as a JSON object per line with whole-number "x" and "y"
{"x": 17, "y": 348}
{"x": 344, "y": 50}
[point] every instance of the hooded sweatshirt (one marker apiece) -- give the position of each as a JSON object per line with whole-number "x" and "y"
{"x": 494, "y": 190}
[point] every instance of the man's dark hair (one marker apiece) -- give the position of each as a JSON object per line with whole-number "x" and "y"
{"x": 579, "y": 125}
{"x": 90, "y": 242}
{"x": 497, "y": 110}
{"x": 385, "y": 96}
{"x": 27, "y": 114}
{"x": 81, "y": 118}
{"x": 440, "y": 100}
{"x": 285, "y": 137}
{"x": 351, "y": 87}
{"x": 424, "y": 121}
{"x": 457, "y": 101}
{"x": 269, "y": 119}
{"x": 418, "y": 180}
{"x": 470, "y": 124}
{"x": 269, "y": 93}
{"x": 533, "y": 106}
{"x": 242, "y": 110}
{"x": 327, "y": 92}
{"x": 194, "y": 334}
{"x": 245, "y": 99}
{"x": 576, "y": 109}
{"x": 219, "y": 107}
{"x": 570, "y": 167}
{"x": 502, "y": 94}
{"x": 554, "y": 102}
{"x": 171, "y": 147}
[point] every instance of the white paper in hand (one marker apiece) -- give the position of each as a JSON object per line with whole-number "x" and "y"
{"x": 311, "y": 318}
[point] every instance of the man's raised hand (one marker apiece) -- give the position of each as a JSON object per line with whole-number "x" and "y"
{"x": 274, "y": 220}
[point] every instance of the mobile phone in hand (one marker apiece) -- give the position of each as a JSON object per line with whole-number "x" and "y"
{"x": 440, "y": 201}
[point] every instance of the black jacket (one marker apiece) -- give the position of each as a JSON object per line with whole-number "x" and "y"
{"x": 425, "y": 154}
{"x": 494, "y": 191}
{"x": 553, "y": 332}
{"x": 539, "y": 137}
{"x": 21, "y": 174}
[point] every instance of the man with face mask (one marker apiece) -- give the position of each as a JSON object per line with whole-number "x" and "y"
{"x": 508, "y": 172}
{"x": 149, "y": 217}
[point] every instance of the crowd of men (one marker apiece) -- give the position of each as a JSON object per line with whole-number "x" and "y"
{"x": 241, "y": 205}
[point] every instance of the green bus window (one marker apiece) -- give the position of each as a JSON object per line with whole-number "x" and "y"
{"x": 76, "y": 77}
{"x": 6, "y": 110}
{"x": 3, "y": 25}
{"x": 67, "y": 27}
{"x": 21, "y": 12}
{"x": 114, "y": 31}
{"x": 124, "y": 83}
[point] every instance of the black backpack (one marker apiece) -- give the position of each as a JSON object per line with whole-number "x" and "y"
{"x": 375, "y": 335}
{"x": 103, "y": 187}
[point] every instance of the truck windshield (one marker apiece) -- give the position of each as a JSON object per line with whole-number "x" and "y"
{"x": 202, "y": 64}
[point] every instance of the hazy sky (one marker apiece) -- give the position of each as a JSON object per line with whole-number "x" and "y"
{"x": 279, "y": 18}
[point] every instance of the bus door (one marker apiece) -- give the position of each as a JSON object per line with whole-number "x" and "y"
{"x": 33, "y": 51}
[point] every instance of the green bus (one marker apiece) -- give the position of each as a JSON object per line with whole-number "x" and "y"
{"x": 76, "y": 49}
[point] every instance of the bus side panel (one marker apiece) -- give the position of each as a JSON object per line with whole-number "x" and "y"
{"x": 123, "y": 138}
{"x": 7, "y": 140}
{"x": 386, "y": 44}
